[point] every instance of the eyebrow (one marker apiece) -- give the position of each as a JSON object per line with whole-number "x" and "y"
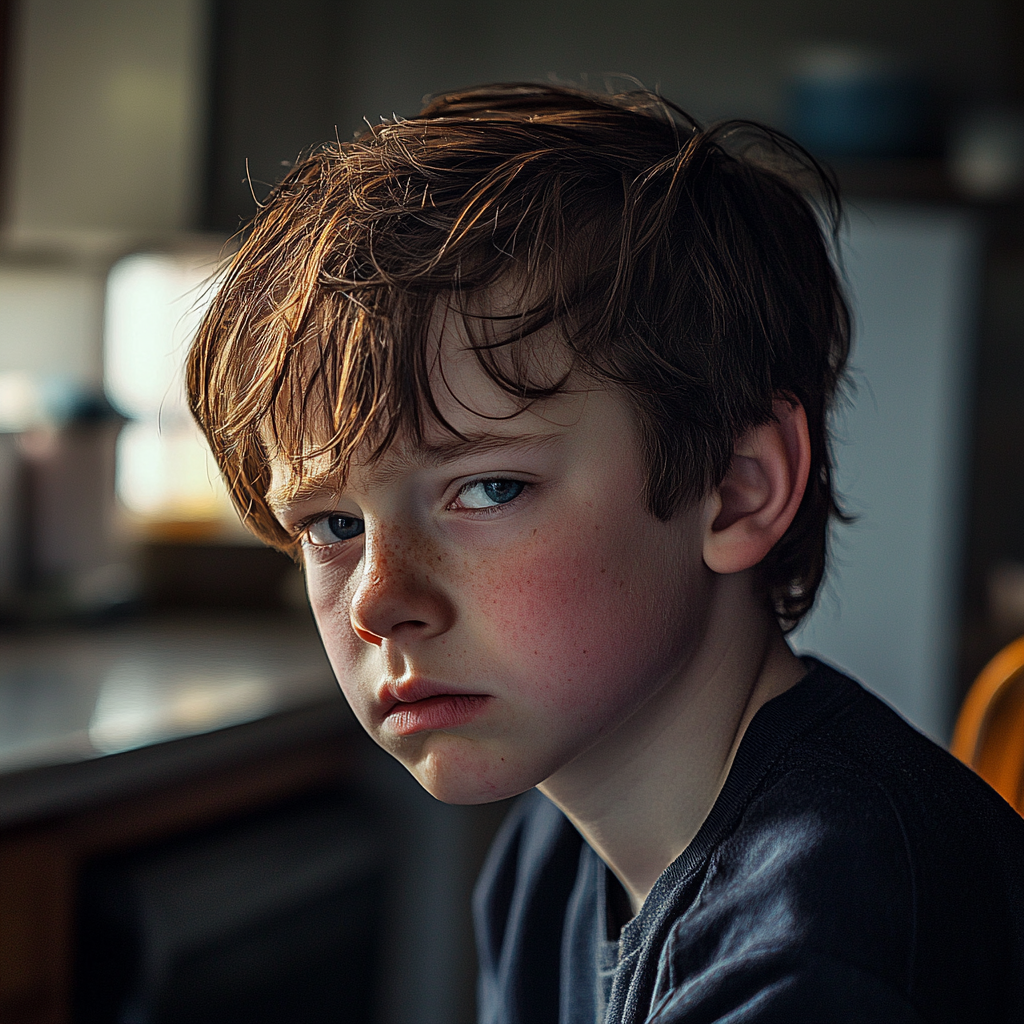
{"x": 431, "y": 455}
{"x": 441, "y": 452}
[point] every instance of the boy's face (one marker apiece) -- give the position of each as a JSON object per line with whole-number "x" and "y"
{"x": 493, "y": 610}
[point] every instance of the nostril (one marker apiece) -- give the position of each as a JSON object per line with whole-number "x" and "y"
{"x": 409, "y": 628}
{"x": 409, "y": 625}
{"x": 367, "y": 636}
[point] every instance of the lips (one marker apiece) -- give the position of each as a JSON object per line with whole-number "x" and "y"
{"x": 417, "y": 705}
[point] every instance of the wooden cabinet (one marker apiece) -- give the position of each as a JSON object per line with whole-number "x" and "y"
{"x": 40, "y": 861}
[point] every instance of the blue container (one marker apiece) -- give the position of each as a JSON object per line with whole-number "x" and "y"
{"x": 850, "y": 104}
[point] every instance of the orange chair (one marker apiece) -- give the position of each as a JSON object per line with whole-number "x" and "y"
{"x": 989, "y": 734}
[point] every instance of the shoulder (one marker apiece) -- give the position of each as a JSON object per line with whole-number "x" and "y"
{"x": 866, "y": 770}
{"x": 859, "y": 754}
{"x": 817, "y": 865}
{"x": 867, "y": 867}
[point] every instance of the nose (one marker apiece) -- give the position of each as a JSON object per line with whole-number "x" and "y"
{"x": 397, "y": 598}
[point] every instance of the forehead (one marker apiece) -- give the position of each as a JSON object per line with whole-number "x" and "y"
{"x": 474, "y": 414}
{"x": 460, "y": 385}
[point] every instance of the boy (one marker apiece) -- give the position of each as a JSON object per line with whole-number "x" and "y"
{"x": 535, "y": 385}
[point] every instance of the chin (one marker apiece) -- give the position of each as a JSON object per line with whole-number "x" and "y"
{"x": 453, "y": 775}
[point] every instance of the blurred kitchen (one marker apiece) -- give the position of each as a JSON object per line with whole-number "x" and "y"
{"x": 192, "y": 827}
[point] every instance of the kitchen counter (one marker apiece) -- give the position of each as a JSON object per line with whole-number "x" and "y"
{"x": 91, "y": 713}
{"x": 130, "y": 733}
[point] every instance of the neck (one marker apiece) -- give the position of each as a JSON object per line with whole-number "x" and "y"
{"x": 641, "y": 795}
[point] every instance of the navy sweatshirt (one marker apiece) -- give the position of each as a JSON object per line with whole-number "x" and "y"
{"x": 850, "y": 870}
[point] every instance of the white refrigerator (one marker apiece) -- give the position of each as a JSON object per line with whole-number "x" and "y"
{"x": 888, "y": 611}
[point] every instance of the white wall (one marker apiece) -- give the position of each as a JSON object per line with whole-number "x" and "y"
{"x": 51, "y": 321}
{"x": 888, "y": 611}
{"x": 106, "y": 122}
{"x": 104, "y": 148}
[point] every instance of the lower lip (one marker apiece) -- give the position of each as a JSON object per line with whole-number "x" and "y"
{"x": 446, "y": 711}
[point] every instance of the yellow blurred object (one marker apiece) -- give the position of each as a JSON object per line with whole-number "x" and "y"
{"x": 182, "y": 531}
{"x": 989, "y": 734}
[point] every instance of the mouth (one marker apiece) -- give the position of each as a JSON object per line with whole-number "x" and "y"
{"x": 419, "y": 705}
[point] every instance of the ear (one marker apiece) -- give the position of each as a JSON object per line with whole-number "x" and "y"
{"x": 753, "y": 506}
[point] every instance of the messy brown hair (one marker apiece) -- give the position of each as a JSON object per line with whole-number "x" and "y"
{"x": 690, "y": 268}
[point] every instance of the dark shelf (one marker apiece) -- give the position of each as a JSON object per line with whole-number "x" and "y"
{"x": 920, "y": 179}
{"x": 926, "y": 180}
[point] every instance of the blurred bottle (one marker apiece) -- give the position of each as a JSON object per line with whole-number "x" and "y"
{"x": 11, "y": 491}
{"x": 20, "y": 410}
{"x": 60, "y": 546}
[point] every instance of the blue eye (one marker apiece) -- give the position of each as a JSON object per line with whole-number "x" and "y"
{"x": 334, "y": 528}
{"x": 489, "y": 493}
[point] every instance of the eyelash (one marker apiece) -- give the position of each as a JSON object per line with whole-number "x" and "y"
{"x": 306, "y": 528}
{"x": 489, "y": 509}
{"x": 303, "y": 528}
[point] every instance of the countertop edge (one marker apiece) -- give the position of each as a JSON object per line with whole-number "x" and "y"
{"x": 47, "y": 792}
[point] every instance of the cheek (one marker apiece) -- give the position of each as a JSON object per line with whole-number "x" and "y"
{"x": 331, "y": 588}
{"x": 576, "y": 611}
{"x": 330, "y": 585}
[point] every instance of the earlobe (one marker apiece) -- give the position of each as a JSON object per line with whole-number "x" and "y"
{"x": 761, "y": 492}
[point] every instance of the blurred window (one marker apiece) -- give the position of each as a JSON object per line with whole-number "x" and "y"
{"x": 166, "y": 477}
